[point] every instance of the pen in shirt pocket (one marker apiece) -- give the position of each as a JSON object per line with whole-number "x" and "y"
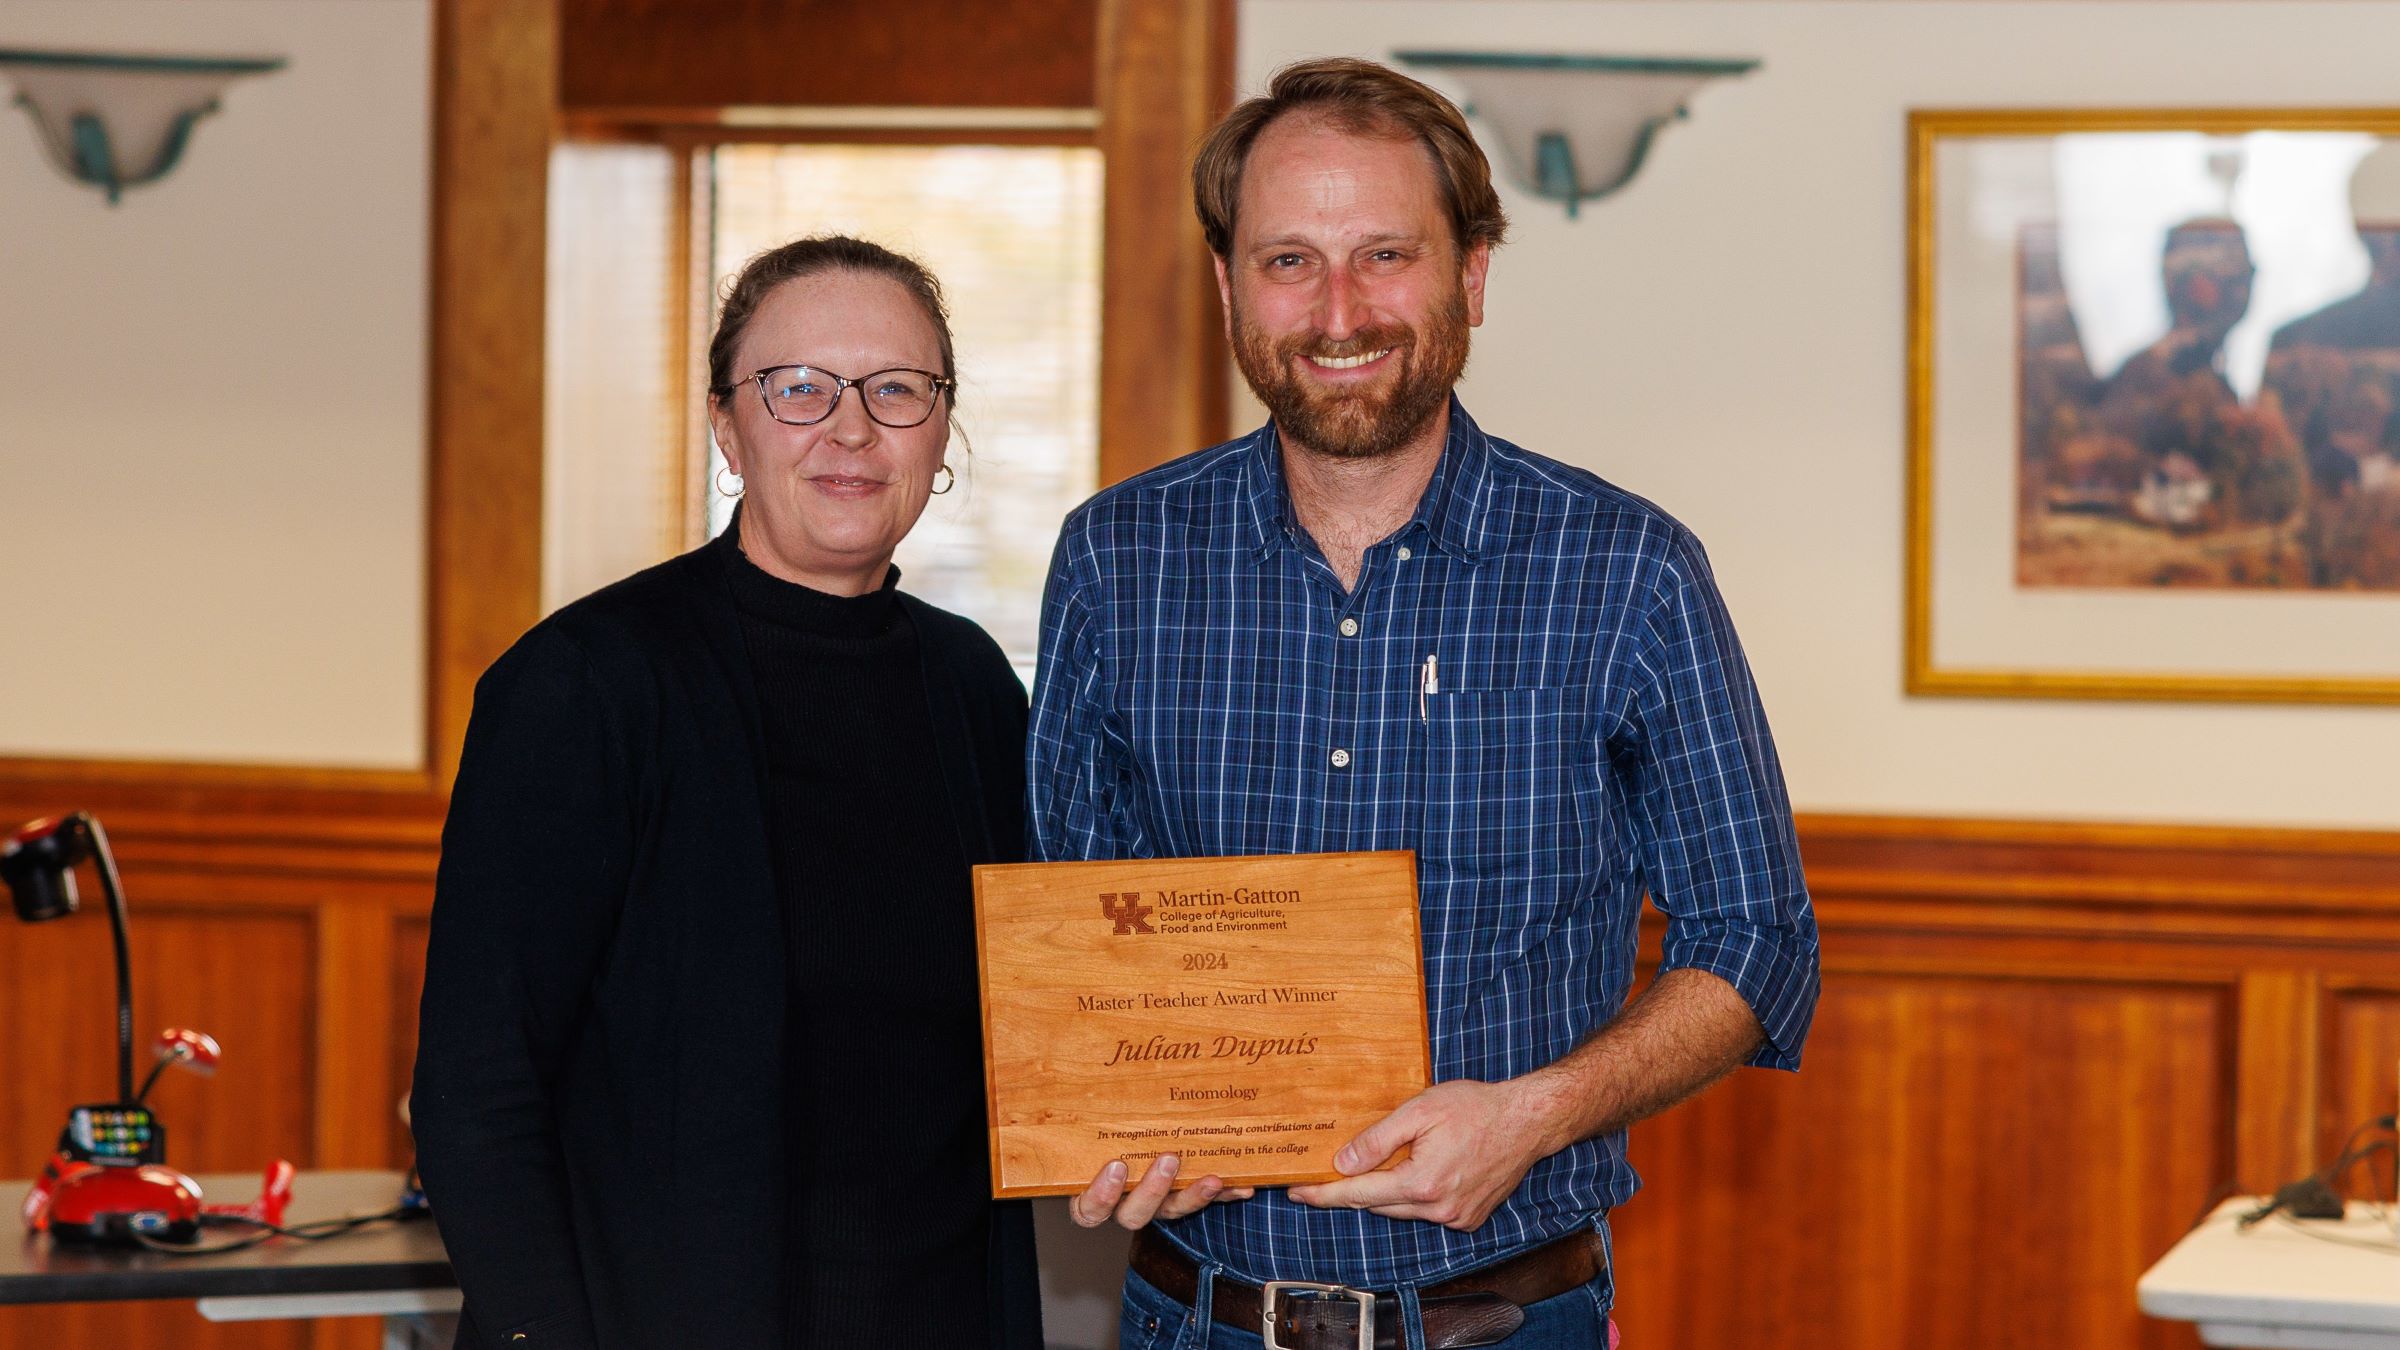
{"x": 1429, "y": 682}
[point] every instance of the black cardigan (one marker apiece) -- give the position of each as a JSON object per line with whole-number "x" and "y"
{"x": 599, "y": 1091}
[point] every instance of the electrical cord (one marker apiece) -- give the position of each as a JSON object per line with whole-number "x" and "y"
{"x": 2313, "y": 1196}
{"x": 2225, "y": 1191}
{"x": 315, "y": 1231}
{"x": 2387, "y": 1246}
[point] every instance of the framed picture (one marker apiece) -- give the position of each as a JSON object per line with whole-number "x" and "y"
{"x": 2154, "y": 405}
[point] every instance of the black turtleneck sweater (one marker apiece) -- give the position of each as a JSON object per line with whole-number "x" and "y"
{"x": 603, "y": 1076}
{"x": 888, "y": 1243}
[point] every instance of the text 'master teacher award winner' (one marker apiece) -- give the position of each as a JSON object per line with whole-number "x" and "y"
{"x": 1249, "y": 1014}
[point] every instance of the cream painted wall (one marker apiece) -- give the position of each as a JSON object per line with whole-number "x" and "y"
{"x": 212, "y": 403}
{"x": 1726, "y": 338}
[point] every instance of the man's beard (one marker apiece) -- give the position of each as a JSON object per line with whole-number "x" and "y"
{"x": 1368, "y": 422}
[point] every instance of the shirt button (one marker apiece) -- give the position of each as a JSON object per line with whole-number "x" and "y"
{"x": 1349, "y": 628}
{"x": 1341, "y": 759}
{"x": 1405, "y": 555}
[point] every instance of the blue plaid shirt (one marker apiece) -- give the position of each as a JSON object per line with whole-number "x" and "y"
{"x": 1207, "y": 688}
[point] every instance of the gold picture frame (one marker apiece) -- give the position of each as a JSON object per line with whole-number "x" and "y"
{"x": 2229, "y": 631}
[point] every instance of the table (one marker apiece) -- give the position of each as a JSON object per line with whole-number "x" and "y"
{"x": 2311, "y": 1284}
{"x": 396, "y": 1271}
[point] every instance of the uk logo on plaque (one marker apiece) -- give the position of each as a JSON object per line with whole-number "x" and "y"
{"x": 1274, "y": 1007}
{"x": 1127, "y": 911}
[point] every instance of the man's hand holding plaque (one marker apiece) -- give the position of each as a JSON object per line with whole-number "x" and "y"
{"x": 1242, "y": 1016}
{"x": 1112, "y": 1195}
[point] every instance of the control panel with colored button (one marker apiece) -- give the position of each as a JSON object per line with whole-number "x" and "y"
{"x": 115, "y": 1133}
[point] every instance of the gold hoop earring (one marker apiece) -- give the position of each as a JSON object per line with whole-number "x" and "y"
{"x": 947, "y": 483}
{"x": 724, "y": 491}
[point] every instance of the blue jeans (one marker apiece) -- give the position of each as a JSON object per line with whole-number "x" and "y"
{"x": 1574, "y": 1320}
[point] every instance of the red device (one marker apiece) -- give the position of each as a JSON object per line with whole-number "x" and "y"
{"x": 85, "y": 1202}
{"x": 109, "y": 1182}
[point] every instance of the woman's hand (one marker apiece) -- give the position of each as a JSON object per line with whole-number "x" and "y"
{"x": 1106, "y": 1198}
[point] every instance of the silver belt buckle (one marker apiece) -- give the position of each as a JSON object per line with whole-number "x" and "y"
{"x": 1310, "y": 1288}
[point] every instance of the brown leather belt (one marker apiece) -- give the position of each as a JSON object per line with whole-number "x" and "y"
{"x": 1480, "y": 1307}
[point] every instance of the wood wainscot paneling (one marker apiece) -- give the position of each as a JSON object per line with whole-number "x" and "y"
{"x": 170, "y": 1323}
{"x": 243, "y": 975}
{"x": 2357, "y": 1071}
{"x": 289, "y": 932}
{"x": 282, "y": 936}
{"x": 2041, "y": 1052}
{"x": 1960, "y": 1137}
{"x": 407, "y": 987}
{"x": 178, "y": 1324}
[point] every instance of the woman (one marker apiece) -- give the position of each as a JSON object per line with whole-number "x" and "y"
{"x": 700, "y": 1055}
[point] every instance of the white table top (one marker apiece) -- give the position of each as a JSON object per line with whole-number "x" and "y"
{"x": 2310, "y": 1282}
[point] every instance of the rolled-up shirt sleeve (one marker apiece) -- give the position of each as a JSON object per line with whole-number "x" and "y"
{"x": 1710, "y": 812}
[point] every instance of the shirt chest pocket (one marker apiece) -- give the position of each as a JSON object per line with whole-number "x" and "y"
{"x": 1498, "y": 792}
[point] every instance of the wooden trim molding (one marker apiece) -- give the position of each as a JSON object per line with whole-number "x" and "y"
{"x": 943, "y": 126}
{"x": 497, "y": 101}
{"x": 2236, "y": 870}
{"x": 827, "y": 53}
{"x": 1166, "y": 77}
{"x": 1891, "y": 875}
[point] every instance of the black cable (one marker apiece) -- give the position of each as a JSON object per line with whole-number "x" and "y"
{"x": 152, "y": 1080}
{"x": 2379, "y": 1149}
{"x": 314, "y": 1231}
{"x": 2226, "y": 1190}
{"x": 2316, "y": 1190}
{"x": 2385, "y": 1246}
{"x": 2378, "y": 1123}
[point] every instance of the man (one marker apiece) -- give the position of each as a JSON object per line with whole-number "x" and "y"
{"x": 1369, "y": 625}
{"x": 2335, "y": 371}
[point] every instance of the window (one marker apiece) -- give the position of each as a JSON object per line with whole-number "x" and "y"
{"x": 1014, "y": 234}
{"x": 1013, "y": 231}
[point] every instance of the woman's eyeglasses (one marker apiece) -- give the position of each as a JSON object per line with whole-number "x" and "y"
{"x": 802, "y": 396}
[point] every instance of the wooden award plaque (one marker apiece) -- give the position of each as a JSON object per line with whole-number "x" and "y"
{"x": 1249, "y": 1015}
